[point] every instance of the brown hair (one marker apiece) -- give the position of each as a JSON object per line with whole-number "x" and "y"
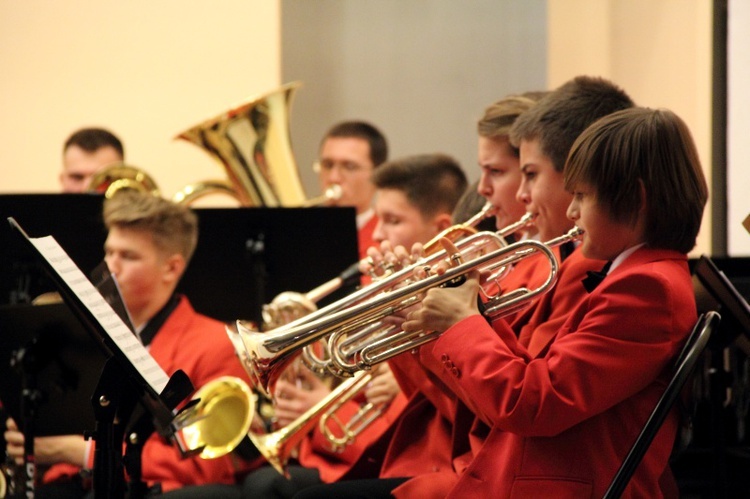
{"x": 499, "y": 117}
{"x": 174, "y": 228}
{"x": 431, "y": 182}
{"x": 644, "y": 148}
{"x": 559, "y": 117}
{"x": 365, "y": 131}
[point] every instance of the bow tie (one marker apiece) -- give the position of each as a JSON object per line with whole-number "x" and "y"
{"x": 593, "y": 278}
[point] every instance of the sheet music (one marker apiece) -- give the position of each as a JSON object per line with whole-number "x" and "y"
{"x": 113, "y": 325}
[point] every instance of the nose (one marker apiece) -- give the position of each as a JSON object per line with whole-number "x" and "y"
{"x": 483, "y": 187}
{"x": 572, "y": 212}
{"x": 522, "y": 195}
{"x": 379, "y": 234}
{"x": 113, "y": 264}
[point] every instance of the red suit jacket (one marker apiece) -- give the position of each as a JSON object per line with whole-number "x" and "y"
{"x": 199, "y": 346}
{"x": 429, "y": 433}
{"x": 364, "y": 236}
{"x": 561, "y": 422}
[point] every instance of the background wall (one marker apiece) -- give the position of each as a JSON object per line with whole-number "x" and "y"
{"x": 146, "y": 70}
{"x": 423, "y": 71}
{"x": 658, "y": 51}
{"x": 738, "y": 117}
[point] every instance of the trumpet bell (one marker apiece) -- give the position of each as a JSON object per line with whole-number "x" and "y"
{"x": 218, "y": 422}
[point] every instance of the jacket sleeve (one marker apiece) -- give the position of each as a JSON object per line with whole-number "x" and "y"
{"x": 582, "y": 374}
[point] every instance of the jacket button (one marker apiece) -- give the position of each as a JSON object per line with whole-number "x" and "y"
{"x": 456, "y": 372}
{"x": 444, "y": 357}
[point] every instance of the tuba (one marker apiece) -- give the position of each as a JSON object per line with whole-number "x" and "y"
{"x": 251, "y": 142}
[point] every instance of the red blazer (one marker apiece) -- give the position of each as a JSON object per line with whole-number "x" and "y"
{"x": 562, "y": 421}
{"x": 364, "y": 241}
{"x": 430, "y": 433}
{"x": 364, "y": 236}
{"x": 199, "y": 346}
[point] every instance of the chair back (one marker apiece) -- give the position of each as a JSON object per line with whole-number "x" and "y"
{"x": 684, "y": 366}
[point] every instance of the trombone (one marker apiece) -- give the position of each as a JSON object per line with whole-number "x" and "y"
{"x": 266, "y": 354}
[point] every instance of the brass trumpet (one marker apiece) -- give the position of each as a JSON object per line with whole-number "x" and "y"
{"x": 358, "y": 423}
{"x": 266, "y": 354}
{"x": 277, "y": 446}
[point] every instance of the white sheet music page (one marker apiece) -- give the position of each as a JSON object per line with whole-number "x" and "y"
{"x": 125, "y": 340}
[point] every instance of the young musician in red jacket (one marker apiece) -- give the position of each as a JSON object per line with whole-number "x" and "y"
{"x": 421, "y": 446}
{"x": 148, "y": 247}
{"x": 350, "y": 152}
{"x": 415, "y": 196}
{"x": 560, "y": 422}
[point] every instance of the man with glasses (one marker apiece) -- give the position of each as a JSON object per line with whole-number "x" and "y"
{"x": 348, "y": 154}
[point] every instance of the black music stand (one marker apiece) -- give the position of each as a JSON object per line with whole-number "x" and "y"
{"x": 130, "y": 375}
{"x": 706, "y": 462}
{"x": 247, "y": 256}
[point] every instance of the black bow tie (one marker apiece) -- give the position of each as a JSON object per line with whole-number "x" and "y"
{"x": 593, "y": 278}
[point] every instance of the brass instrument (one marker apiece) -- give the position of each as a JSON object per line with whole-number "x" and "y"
{"x": 266, "y": 354}
{"x": 277, "y": 446}
{"x": 358, "y": 423}
{"x": 217, "y": 420}
{"x": 251, "y": 141}
{"x": 112, "y": 178}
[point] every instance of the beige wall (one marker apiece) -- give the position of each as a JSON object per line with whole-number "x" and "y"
{"x": 146, "y": 70}
{"x": 657, "y": 50}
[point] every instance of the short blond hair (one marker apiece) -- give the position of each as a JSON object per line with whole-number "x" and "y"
{"x": 174, "y": 228}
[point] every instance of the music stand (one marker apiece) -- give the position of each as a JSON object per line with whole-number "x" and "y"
{"x": 247, "y": 256}
{"x": 130, "y": 375}
{"x": 69, "y": 364}
{"x": 704, "y": 465}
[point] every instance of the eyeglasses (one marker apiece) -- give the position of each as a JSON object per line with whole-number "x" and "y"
{"x": 347, "y": 167}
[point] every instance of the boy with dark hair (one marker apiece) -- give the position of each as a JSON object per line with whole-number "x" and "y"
{"x": 415, "y": 197}
{"x": 349, "y": 153}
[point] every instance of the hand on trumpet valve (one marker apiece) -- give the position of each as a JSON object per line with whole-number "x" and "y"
{"x": 387, "y": 259}
{"x": 383, "y": 388}
{"x": 444, "y": 306}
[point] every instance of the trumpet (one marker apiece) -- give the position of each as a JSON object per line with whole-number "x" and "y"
{"x": 277, "y": 446}
{"x": 358, "y": 423}
{"x": 266, "y": 354}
